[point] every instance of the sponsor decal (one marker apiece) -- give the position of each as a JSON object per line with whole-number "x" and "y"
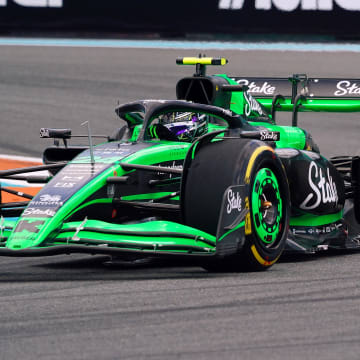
{"x": 172, "y": 166}
{"x": 346, "y": 87}
{"x": 323, "y": 186}
{"x": 64, "y": 185}
{"x": 233, "y": 201}
{"x": 34, "y": 3}
{"x": 105, "y": 154}
{"x": 252, "y": 105}
{"x": 86, "y": 169}
{"x": 291, "y": 5}
{"x": 72, "y": 178}
{"x": 48, "y": 200}
{"x": 32, "y": 226}
{"x": 175, "y": 167}
{"x": 111, "y": 150}
{"x": 254, "y": 88}
{"x": 321, "y": 230}
{"x": 68, "y": 182}
{"x": 269, "y": 135}
{"x": 298, "y": 231}
{"x": 40, "y": 212}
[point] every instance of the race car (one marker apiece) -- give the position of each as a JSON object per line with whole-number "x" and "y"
{"x": 209, "y": 176}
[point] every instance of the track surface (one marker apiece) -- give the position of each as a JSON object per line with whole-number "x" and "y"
{"x": 75, "y": 307}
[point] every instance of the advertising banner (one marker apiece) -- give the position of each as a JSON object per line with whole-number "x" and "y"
{"x": 325, "y": 17}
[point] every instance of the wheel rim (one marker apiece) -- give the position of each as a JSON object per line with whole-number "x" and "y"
{"x": 266, "y": 205}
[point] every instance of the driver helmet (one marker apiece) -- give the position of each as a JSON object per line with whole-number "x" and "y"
{"x": 185, "y": 126}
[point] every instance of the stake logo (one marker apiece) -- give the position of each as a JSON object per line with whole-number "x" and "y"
{"x": 254, "y": 88}
{"x": 323, "y": 188}
{"x": 292, "y": 5}
{"x": 34, "y": 3}
{"x": 269, "y": 135}
{"x": 40, "y": 212}
{"x": 233, "y": 201}
{"x": 346, "y": 87}
{"x": 252, "y": 105}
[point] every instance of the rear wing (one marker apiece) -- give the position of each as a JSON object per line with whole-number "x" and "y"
{"x": 294, "y": 94}
{"x": 337, "y": 88}
{"x": 300, "y": 93}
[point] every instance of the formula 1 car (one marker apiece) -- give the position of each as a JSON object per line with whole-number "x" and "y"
{"x": 209, "y": 176}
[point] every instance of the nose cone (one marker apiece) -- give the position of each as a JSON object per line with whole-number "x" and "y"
{"x": 26, "y": 234}
{"x": 19, "y": 244}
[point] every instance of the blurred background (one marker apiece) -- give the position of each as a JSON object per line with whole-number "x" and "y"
{"x": 247, "y": 19}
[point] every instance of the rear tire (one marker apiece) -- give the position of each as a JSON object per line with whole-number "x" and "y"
{"x": 218, "y": 165}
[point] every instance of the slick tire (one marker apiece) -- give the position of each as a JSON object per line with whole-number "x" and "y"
{"x": 218, "y": 165}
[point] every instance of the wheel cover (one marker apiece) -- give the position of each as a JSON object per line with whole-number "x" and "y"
{"x": 267, "y": 207}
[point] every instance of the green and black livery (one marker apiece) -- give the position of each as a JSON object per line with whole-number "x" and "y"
{"x": 232, "y": 199}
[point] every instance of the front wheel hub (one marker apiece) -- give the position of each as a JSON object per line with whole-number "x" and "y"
{"x": 266, "y": 205}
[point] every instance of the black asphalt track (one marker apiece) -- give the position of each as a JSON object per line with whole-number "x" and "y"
{"x": 74, "y": 307}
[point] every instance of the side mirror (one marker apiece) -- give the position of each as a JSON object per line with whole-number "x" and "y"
{"x": 55, "y": 133}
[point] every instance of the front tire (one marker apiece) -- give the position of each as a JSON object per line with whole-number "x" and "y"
{"x": 218, "y": 165}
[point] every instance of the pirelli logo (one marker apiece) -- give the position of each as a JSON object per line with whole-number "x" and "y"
{"x": 34, "y": 3}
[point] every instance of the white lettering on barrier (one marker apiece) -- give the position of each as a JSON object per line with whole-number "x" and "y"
{"x": 231, "y": 4}
{"x": 292, "y": 5}
{"x": 352, "y": 5}
{"x": 324, "y": 5}
{"x": 287, "y": 5}
{"x": 35, "y": 3}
